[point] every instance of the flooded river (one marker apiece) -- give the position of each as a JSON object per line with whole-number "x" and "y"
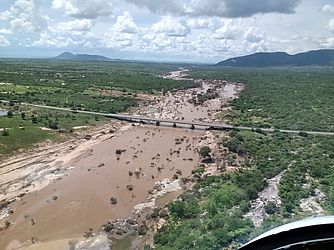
{"x": 123, "y": 167}
{"x": 81, "y": 200}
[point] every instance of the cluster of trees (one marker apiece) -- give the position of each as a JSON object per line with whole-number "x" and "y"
{"x": 78, "y": 76}
{"x": 73, "y": 100}
{"x": 68, "y": 84}
{"x": 213, "y": 198}
{"x": 235, "y": 144}
{"x": 291, "y": 99}
{"x": 205, "y": 220}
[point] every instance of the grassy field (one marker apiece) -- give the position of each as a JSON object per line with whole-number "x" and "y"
{"x": 27, "y": 127}
{"x": 20, "y": 138}
{"x": 212, "y": 214}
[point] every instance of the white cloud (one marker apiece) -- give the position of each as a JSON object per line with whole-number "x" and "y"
{"x": 57, "y": 41}
{"x": 171, "y": 27}
{"x": 6, "y": 31}
{"x": 254, "y": 36}
{"x": 86, "y": 9}
{"x": 160, "y": 38}
{"x": 24, "y": 16}
{"x": 4, "y": 41}
{"x": 327, "y": 8}
{"x": 210, "y": 23}
{"x": 328, "y": 43}
{"x": 198, "y": 23}
{"x": 157, "y": 41}
{"x": 331, "y": 25}
{"x": 257, "y": 47}
{"x": 5, "y": 15}
{"x": 118, "y": 40}
{"x": 125, "y": 24}
{"x": 229, "y": 30}
{"x": 123, "y": 34}
{"x": 75, "y": 25}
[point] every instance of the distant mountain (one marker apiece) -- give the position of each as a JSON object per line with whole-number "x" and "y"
{"x": 312, "y": 58}
{"x": 80, "y": 57}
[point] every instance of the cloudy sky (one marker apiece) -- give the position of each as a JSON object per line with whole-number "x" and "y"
{"x": 164, "y": 30}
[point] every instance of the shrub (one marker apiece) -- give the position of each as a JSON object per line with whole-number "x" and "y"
{"x": 198, "y": 170}
{"x": 205, "y": 151}
{"x": 271, "y": 208}
{"x": 5, "y": 132}
{"x": 303, "y": 134}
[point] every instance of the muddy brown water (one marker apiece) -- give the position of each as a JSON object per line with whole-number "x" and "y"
{"x": 81, "y": 200}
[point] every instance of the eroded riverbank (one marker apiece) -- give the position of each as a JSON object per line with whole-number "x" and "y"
{"x": 67, "y": 189}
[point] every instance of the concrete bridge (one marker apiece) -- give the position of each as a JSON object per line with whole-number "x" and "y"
{"x": 171, "y": 123}
{"x": 176, "y": 123}
{"x": 204, "y": 125}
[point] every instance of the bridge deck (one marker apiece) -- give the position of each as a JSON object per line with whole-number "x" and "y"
{"x": 148, "y": 119}
{"x": 212, "y": 126}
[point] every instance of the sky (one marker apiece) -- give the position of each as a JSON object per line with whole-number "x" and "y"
{"x": 164, "y": 30}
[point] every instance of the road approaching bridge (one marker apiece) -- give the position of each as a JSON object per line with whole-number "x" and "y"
{"x": 176, "y": 123}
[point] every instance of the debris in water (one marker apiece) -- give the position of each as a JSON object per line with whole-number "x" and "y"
{"x": 113, "y": 201}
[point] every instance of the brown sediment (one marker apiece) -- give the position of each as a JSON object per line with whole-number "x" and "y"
{"x": 83, "y": 197}
{"x": 67, "y": 189}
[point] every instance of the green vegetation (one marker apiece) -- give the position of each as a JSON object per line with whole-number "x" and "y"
{"x": 18, "y": 138}
{"x": 205, "y": 151}
{"x": 212, "y": 214}
{"x": 280, "y": 98}
{"x": 23, "y": 127}
{"x": 205, "y": 218}
{"x": 221, "y": 202}
{"x": 83, "y": 85}
{"x": 94, "y": 86}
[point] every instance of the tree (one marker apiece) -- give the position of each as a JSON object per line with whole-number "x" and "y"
{"x": 241, "y": 150}
{"x": 53, "y": 124}
{"x": 5, "y": 132}
{"x": 271, "y": 208}
{"x": 232, "y": 144}
{"x": 10, "y": 114}
{"x": 205, "y": 151}
{"x": 184, "y": 210}
{"x": 23, "y": 116}
{"x": 34, "y": 119}
{"x": 303, "y": 134}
